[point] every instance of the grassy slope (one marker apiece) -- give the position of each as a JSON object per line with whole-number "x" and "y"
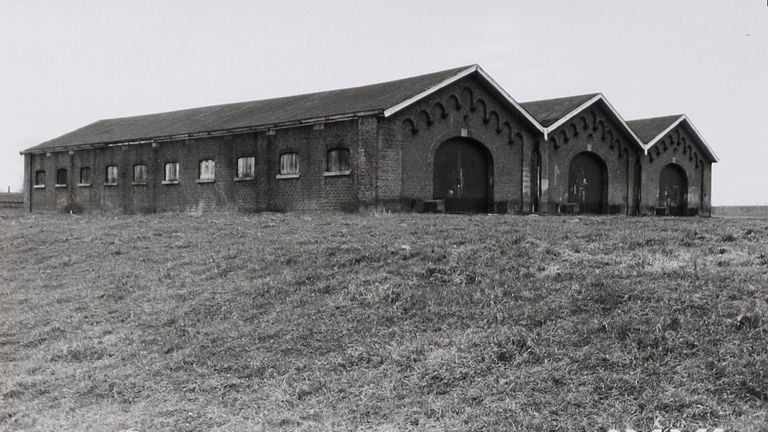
{"x": 409, "y": 322}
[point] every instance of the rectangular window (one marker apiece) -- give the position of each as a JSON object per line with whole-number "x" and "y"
{"x": 207, "y": 170}
{"x": 61, "y": 178}
{"x": 337, "y": 161}
{"x": 171, "y": 172}
{"x": 111, "y": 176}
{"x": 246, "y": 167}
{"x": 289, "y": 164}
{"x": 85, "y": 176}
{"x": 40, "y": 179}
{"x": 140, "y": 174}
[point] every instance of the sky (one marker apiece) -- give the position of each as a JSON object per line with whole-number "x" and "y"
{"x": 67, "y": 63}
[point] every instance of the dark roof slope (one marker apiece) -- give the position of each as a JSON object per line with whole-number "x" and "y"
{"x": 548, "y": 111}
{"x": 365, "y": 99}
{"x": 649, "y": 128}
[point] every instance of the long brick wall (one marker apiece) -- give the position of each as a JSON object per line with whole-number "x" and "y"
{"x": 311, "y": 189}
{"x": 391, "y": 163}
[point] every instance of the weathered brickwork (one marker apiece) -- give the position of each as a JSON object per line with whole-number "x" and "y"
{"x": 464, "y": 109}
{"x": 596, "y": 132}
{"x": 313, "y": 189}
{"x": 512, "y": 161}
{"x": 677, "y": 147}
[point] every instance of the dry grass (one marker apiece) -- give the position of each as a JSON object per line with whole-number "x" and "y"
{"x": 232, "y": 322}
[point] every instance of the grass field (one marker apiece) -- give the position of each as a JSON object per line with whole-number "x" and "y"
{"x": 232, "y": 322}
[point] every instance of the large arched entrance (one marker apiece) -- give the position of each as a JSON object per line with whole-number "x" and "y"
{"x": 673, "y": 189}
{"x": 588, "y": 183}
{"x": 463, "y": 176}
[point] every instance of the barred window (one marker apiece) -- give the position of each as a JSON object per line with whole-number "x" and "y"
{"x": 40, "y": 178}
{"x": 246, "y": 167}
{"x": 140, "y": 174}
{"x": 289, "y": 163}
{"x": 207, "y": 170}
{"x": 85, "y": 176}
{"x": 337, "y": 161}
{"x": 61, "y": 177}
{"x": 171, "y": 172}
{"x": 111, "y": 175}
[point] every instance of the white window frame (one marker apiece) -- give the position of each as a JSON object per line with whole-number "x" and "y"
{"x": 206, "y": 172}
{"x": 108, "y": 177}
{"x": 81, "y": 183}
{"x": 289, "y": 165}
{"x": 143, "y": 180}
{"x": 332, "y": 157}
{"x": 37, "y": 184}
{"x": 246, "y": 168}
{"x": 171, "y": 173}
{"x": 66, "y": 178}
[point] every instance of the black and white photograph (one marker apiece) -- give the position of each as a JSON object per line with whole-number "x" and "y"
{"x": 340, "y": 215}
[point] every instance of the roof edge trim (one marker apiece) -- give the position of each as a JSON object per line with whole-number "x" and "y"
{"x": 459, "y": 75}
{"x": 203, "y": 134}
{"x": 661, "y": 134}
{"x": 587, "y": 104}
{"x": 683, "y": 118}
{"x": 474, "y": 68}
{"x": 511, "y": 100}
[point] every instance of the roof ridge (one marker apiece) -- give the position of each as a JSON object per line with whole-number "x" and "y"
{"x": 563, "y": 97}
{"x": 675, "y": 116}
{"x": 286, "y": 97}
{"x": 366, "y": 99}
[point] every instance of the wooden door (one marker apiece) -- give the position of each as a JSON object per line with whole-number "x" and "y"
{"x": 462, "y": 176}
{"x": 673, "y": 189}
{"x": 587, "y": 180}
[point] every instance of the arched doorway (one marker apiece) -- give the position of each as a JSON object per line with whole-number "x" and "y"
{"x": 463, "y": 176}
{"x": 588, "y": 183}
{"x": 673, "y": 189}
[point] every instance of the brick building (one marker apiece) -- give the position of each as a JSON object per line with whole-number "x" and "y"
{"x": 452, "y": 140}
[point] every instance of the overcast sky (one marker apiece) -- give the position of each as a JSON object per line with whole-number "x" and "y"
{"x": 64, "y": 64}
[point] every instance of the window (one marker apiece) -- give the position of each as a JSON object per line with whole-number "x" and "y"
{"x": 337, "y": 161}
{"x": 40, "y": 179}
{"x": 111, "y": 178}
{"x": 171, "y": 173}
{"x": 289, "y": 164}
{"x": 246, "y": 167}
{"x": 207, "y": 171}
{"x": 85, "y": 176}
{"x": 139, "y": 174}
{"x": 61, "y": 178}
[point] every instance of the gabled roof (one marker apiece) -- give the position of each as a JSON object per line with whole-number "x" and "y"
{"x": 549, "y": 111}
{"x": 649, "y": 128}
{"x": 377, "y": 99}
{"x": 652, "y": 130}
{"x": 556, "y": 112}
